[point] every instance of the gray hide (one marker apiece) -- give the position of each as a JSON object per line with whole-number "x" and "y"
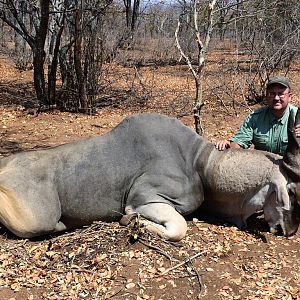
{"x": 238, "y": 183}
{"x": 149, "y": 164}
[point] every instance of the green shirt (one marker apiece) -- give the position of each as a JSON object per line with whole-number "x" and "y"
{"x": 266, "y": 132}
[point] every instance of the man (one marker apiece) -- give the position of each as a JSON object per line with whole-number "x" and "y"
{"x": 266, "y": 127}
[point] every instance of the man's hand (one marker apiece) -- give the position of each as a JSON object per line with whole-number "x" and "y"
{"x": 222, "y": 145}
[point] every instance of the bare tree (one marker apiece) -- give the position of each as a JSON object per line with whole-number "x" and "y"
{"x": 22, "y": 61}
{"x": 81, "y": 79}
{"x": 263, "y": 37}
{"x": 202, "y": 45}
{"x": 10, "y": 14}
{"x": 81, "y": 55}
{"x": 275, "y": 43}
{"x": 56, "y": 27}
{"x": 71, "y": 28}
{"x": 132, "y": 11}
{"x": 268, "y": 33}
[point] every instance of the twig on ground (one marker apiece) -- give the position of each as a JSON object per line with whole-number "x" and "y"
{"x": 198, "y": 278}
{"x": 115, "y": 294}
{"x": 182, "y": 263}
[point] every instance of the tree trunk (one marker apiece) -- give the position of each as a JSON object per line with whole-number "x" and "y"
{"x": 56, "y": 26}
{"x": 20, "y": 43}
{"x": 53, "y": 69}
{"x": 81, "y": 81}
{"x": 39, "y": 54}
{"x": 128, "y": 11}
{"x": 135, "y": 12}
{"x": 198, "y": 106}
{"x": 39, "y": 76}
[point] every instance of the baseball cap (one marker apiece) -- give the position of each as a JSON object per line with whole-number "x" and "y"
{"x": 279, "y": 80}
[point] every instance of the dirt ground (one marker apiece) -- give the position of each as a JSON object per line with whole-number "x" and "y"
{"x": 107, "y": 261}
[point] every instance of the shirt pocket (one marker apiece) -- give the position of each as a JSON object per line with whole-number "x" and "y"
{"x": 261, "y": 142}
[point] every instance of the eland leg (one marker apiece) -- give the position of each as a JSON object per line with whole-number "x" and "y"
{"x": 162, "y": 219}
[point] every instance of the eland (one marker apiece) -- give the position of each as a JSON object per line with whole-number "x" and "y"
{"x": 151, "y": 165}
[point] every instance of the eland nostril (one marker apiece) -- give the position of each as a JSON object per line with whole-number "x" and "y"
{"x": 280, "y": 231}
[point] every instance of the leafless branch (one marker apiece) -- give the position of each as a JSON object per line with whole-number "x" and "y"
{"x": 181, "y": 51}
{"x": 189, "y": 259}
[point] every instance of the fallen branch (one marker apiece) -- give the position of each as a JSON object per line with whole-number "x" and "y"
{"x": 187, "y": 260}
{"x": 199, "y": 279}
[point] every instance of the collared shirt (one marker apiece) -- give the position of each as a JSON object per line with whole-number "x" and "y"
{"x": 266, "y": 132}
